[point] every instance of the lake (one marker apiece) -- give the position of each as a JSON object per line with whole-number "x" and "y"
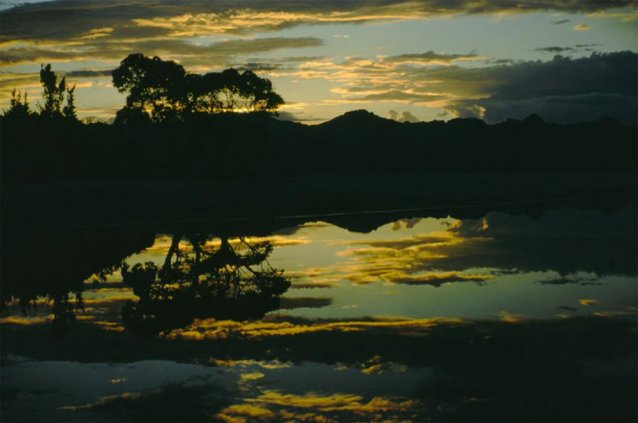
{"x": 403, "y": 315}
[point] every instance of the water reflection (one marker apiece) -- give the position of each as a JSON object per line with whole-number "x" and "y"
{"x": 411, "y": 318}
{"x": 231, "y": 280}
{"x": 416, "y": 267}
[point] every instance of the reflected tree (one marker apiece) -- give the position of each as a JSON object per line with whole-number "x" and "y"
{"x": 49, "y": 267}
{"x": 228, "y": 279}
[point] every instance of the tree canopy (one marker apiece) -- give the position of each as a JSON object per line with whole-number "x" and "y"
{"x": 163, "y": 89}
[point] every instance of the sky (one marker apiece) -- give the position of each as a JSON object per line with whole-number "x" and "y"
{"x": 566, "y": 60}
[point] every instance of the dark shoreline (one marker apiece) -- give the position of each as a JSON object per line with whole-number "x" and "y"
{"x": 307, "y": 197}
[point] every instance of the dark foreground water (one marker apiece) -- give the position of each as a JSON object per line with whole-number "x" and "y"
{"x": 367, "y": 317}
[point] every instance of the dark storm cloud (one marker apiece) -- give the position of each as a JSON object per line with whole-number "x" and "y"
{"x": 66, "y": 19}
{"x": 562, "y": 89}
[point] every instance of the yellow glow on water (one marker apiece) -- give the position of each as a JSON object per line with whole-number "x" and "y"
{"x": 313, "y": 407}
{"x": 252, "y": 376}
{"x": 269, "y": 365}
{"x": 221, "y": 329}
{"x": 510, "y": 317}
{"x": 26, "y": 320}
{"x": 240, "y": 412}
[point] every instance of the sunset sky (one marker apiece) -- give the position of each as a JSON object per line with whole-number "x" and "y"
{"x": 567, "y": 60}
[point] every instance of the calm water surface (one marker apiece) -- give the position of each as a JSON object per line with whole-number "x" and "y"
{"x": 419, "y": 319}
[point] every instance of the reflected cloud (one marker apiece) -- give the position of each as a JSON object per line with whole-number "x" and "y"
{"x": 314, "y": 407}
{"x": 582, "y": 27}
{"x": 203, "y": 329}
{"x": 289, "y": 303}
{"x": 415, "y": 260}
{"x": 26, "y": 320}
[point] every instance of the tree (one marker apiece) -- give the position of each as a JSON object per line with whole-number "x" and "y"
{"x": 231, "y": 91}
{"x": 165, "y": 91}
{"x": 19, "y": 106}
{"x": 69, "y": 109}
{"x": 152, "y": 83}
{"x": 54, "y": 94}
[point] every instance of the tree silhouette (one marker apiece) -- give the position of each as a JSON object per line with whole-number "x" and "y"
{"x": 19, "y": 105}
{"x": 54, "y": 93}
{"x": 69, "y": 111}
{"x": 233, "y": 280}
{"x": 165, "y": 91}
{"x": 152, "y": 83}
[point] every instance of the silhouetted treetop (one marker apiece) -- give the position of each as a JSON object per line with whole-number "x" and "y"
{"x": 19, "y": 105}
{"x": 166, "y": 91}
{"x": 54, "y": 96}
{"x": 54, "y": 93}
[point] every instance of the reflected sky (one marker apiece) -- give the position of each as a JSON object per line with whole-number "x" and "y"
{"x": 418, "y": 319}
{"x": 496, "y": 266}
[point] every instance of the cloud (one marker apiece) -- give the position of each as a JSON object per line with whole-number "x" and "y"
{"x": 218, "y": 53}
{"x": 66, "y": 19}
{"x": 405, "y": 116}
{"x": 626, "y": 15}
{"x": 438, "y": 279}
{"x": 289, "y": 303}
{"x": 562, "y": 90}
{"x": 432, "y": 58}
{"x": 398, "y": 96}
{"x": 575, "y": 48}
{"x": 272, "y": 405}
{"x": 554, "y": 49}
{"x": 497, "y": 244}
{"x": 222, "y": 329}
{"x": 89, "y": 73}
{"x": 582, "y": 27}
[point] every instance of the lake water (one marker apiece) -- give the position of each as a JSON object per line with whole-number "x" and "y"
{"x": 501, "y": 316}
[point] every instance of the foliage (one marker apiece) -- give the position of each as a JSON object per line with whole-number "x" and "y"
{"x": 234, "y": 280}
{"x": 152, "y": 83}
{"x": 69, "y": 109}
{"x": 167, "y": 92}
{"x": 54, "y": 96}
{"x": 19, "y": 105}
